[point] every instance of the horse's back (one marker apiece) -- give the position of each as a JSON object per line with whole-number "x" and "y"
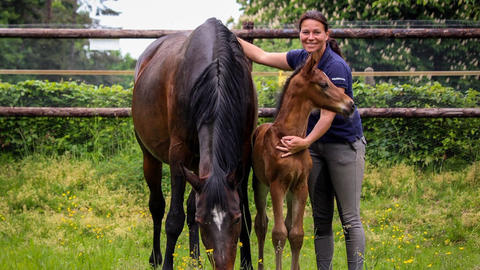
{"x": 165, "y": 79}
{"x": 153, "y": 79}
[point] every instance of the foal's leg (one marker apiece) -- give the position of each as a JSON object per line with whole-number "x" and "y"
{"x": 279, "y": 231}
{"x": 152, "y": 170}
{"x": 288, "y": 219}
{"x": 296, "y": 233}
{"x": 261, "y": 219}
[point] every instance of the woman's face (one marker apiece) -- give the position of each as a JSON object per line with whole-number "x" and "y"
{"x": 313, "y": 35}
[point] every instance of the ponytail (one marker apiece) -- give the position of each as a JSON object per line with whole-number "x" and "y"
{"x": 334, "y": 46}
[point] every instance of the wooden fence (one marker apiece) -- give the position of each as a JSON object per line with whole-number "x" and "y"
{"x": 247, "y": 33}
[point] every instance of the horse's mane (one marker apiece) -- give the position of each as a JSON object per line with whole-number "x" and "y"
{"x": 220, "y": 97}
{"x": 285, "y": 87}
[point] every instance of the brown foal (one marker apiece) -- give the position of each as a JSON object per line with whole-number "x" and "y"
{"x": 306, "y": 89}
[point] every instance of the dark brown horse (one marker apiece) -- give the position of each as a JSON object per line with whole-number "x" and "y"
{"x": 194, "y": 107}
{"x": 306, "y": 89}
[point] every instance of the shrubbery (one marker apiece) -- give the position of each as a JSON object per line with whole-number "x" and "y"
{"x": 55, "y": 135}
{"x": 419, "y": 140}
{"x": 412, "y": 140}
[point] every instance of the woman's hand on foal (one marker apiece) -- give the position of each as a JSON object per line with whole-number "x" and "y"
{"x": 292, "y": 145}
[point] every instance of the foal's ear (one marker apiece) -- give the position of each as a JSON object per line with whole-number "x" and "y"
{"x": 193, "y": 179}
{"x": 311, "y": 62}
{"x": 316, "y": 55}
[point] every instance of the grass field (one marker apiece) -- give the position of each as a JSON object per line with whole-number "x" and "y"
{"x": 68, "y": 212}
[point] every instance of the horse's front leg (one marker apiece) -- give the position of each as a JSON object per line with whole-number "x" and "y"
{"x": 176, "y": 214}
{"x": 193, "y": 227}
{"x": 152, "y": 170}
{"x": 245, "y": 251}
{"x": 261, "y": 219}
{"x": 279, "y": 231}
{"x": 296, "y": 233}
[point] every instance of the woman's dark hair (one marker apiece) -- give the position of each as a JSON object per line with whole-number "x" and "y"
{"x": 318, "y": 16}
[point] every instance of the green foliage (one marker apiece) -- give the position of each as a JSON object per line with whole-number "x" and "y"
{"x": 23, "y": 135}
{"x": 422, "y": 141}
{"x": 388, "y": 54}
{"x": 59, "y": 212}
{"x": 285, "y": 11}
{"x": 58, "y": 54}
{"x": 419, "y": 140}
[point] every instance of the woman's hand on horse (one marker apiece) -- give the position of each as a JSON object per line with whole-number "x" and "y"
{"x": 292, "y": 145}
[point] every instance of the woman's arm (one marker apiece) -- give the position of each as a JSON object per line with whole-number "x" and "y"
{"x": 294, "y": 144}
{"x": 257, "y": 55}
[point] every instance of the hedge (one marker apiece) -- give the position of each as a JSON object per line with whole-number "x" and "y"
{"x": 415, "y": 141}
{"x": 50, "y": 135}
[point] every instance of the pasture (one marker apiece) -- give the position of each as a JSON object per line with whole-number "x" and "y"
{"x": 91, "y": 212}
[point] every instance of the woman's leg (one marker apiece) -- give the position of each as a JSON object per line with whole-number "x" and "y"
{"x": 346, "y": 164}
{"x": 321, "y": 198}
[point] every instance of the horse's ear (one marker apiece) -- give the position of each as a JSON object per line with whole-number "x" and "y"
{"x": 309, "y": 64}
{"x": 193, "y": 179}
{"x": 316, "y": 55}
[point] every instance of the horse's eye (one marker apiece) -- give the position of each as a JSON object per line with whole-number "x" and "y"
{"x": 199, "y": 220}
{"x": 237, "y": 219}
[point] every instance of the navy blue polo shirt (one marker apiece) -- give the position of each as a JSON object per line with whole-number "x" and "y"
{"x": 343, "y": 129}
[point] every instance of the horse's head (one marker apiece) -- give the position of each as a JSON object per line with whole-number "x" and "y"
{"x": 219, "y": 217}
{"x": 314, "y": 84}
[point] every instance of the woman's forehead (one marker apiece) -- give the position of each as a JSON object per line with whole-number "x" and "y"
{"x": 312, "y": 24}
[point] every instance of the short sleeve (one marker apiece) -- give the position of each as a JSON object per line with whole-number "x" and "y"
{"x": 295, "y": 58}
{"x": 339, "y": 74}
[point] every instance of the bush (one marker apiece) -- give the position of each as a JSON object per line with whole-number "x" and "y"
{"x": 419, "y": 140}
{"x": 55, "y": 135}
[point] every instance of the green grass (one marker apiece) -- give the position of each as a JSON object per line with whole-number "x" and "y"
{"x": 68, "y": 212}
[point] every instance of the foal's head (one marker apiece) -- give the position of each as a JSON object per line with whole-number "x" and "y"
{"x": 219, "y": 217}
{"x": 314, "y": 85}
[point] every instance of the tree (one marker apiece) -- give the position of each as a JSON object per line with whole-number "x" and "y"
{"x": 388, "y": 54}
{"x": 55, "y": 53}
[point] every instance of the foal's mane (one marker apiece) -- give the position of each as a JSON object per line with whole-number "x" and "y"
{"x": 285, "y": 87}
{"x": 220, "y": 97}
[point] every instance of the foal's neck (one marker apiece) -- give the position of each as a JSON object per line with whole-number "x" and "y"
{"x": 292, "y": 116}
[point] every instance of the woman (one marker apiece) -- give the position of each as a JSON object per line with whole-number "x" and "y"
{"x": 336, "y": 144}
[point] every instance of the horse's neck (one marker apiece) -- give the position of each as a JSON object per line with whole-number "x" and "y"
{"x": 292, "y": 117}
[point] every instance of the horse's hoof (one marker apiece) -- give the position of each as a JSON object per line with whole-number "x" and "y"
{"x": 155, "y": 261}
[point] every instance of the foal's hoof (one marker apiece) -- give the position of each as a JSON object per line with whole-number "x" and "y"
{"x": 155, "y": 260}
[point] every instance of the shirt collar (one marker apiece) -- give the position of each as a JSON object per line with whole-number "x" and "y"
{"x": 325, "y": 57}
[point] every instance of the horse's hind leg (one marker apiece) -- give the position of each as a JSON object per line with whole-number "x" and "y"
{"x": 152, "y": 169}
{"x": 176, "y": 214}
{"x": 261, "y": 219}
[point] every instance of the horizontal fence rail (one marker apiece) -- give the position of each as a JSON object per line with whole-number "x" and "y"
{"x": 262, "y": 112}
{"x": 243, "y": 33}
{"x": 99, "y": 72}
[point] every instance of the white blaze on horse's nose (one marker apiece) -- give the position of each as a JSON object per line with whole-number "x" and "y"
{"x": 218, "y": 216}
